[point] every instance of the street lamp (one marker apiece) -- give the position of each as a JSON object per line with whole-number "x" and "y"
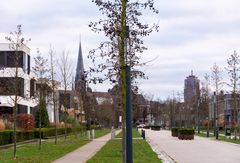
{"x": 128, "y": 105}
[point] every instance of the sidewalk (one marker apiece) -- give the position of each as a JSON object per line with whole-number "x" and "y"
{"x": 82, "y": 154}
{"x": 199, "y": 150}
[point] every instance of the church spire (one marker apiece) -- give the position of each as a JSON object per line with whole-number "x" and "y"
{"x": 80, "y": 78}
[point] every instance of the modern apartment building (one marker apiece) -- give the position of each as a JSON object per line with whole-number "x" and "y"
{"x": 27, "y": 85}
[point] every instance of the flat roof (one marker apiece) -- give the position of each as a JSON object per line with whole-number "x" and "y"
{"x": 7, "y": 47}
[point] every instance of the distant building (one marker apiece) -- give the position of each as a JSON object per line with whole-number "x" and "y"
{"x": 191, "y": 89}
{"x": 26, "y": 82}
{"x": 229, "y": 110}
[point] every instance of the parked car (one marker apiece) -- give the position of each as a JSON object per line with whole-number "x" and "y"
{"x": 141, "y": 126}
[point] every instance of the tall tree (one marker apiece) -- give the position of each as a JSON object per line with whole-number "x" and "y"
{"x": 217, "y": 84}
{"x": 41, "y": 70}
{"x": 120, "y": 14}
{"x": 66, "y": 76}
{"x": 17, "y": 42}
{"x": 233, "y": 70}
{"x": 205, "y": 98}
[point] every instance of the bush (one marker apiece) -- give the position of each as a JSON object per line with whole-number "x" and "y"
{"x": 49, "y": 132}
{"x": 25, "y": 121}
{"x": 186, "y": 133}
{"x": 44, "y": 114}
{"x": 146, "y": 127}
{"x": 2, "y": 125}
{"x": 25, "y": 135}
{"x": 175, "y": 132}
{"x": 5, "y": 137}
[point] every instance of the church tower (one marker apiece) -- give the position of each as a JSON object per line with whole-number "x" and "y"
{"x": 80, "y": 82}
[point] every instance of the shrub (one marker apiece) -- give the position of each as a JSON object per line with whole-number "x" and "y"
{"x": 5, "y": 137}
{"x": 25, "y": 121}
{"x": 48, "y": 132}
{"x": 175, "y": 132}
{"x": 2, "y": 125}
{"x": 25, "y": 135}
{"x": 186, "y": 133}
{"x": 8, "y": 124}
{"x": 44, "y": 115}
{"x": 146, "y": 127}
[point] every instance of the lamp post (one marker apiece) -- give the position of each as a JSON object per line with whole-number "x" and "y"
{"x": 198, "y": 116}
{"x": 215, "y": 115}
{"x": 128, "y": 105}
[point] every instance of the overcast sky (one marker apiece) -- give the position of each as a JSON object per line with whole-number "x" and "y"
{"x": 194, "y": 34}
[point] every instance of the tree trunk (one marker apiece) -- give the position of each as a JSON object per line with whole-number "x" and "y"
{"x": 15, "y": 106}
{"x": 123, "y": 76}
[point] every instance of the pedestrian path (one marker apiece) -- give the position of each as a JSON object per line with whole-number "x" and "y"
{"x": 84, "y": 153}
{"x": 199, "y": 150}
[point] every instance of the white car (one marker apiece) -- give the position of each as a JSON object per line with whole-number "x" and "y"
{"x": 141, "y": 126}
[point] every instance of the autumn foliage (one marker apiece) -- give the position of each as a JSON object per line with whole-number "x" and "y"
{"x": 25, "y": 121}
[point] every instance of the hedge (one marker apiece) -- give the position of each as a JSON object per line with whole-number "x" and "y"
{"x": 186, "y": 131}
{"x": 175, "y": 131}
{"x": 6, "y": 136}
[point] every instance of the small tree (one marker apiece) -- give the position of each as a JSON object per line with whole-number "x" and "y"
{"x": 16, "y": 43}
{"x": 206, "y": 98}
{"x": 41, "y": 70}
{"x": 233, "y": 70}
{"x": 217, "y": 84}
{"x": 42, "y": 112}
{"x": 65, "y": 74}
{"x": 53, "y": 86}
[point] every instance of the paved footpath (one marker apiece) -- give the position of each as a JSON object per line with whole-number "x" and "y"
{"x": 199, "y": 150}
{"x": 82, "y": 154}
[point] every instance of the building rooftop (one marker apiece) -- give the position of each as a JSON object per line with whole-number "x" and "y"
{"x": 8, "y": 47}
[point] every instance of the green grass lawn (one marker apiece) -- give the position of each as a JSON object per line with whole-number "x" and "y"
{"x": 112, "y": 152}
{"x": 135, "y": 134}
{"x": 220, "y": 138}
{"x": 29, "y": 153}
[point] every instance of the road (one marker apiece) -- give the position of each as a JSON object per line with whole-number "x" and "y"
{"x": 199, "y": 150}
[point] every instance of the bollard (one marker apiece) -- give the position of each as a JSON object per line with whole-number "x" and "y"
{"x": 207, "y": 132}
{"x": 93, "y": 134}
{"x": 143, "y": 134}
{"x": 88, "y": 132}
{"x": 112, "y": 133}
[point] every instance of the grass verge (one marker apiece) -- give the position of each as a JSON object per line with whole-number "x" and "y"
{"x": 112, "y": 152}
{"x": 29, "y": 153}
{"x": 135, "y": 134}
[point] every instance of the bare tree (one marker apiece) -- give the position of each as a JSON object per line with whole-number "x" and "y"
{"x": 53, "y": 86}
{"x": 41, "y": 70}
{"x": 217, "y": 84}
{"x": 233, "y": 70}
{"x": 16, "y": 43}
{"x": 66, "y": 75}
{"x": 206, "y": 98}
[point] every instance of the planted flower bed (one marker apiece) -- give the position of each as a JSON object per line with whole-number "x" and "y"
{"x": 186, "y": 134}
{"x": 174, "y": 132}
